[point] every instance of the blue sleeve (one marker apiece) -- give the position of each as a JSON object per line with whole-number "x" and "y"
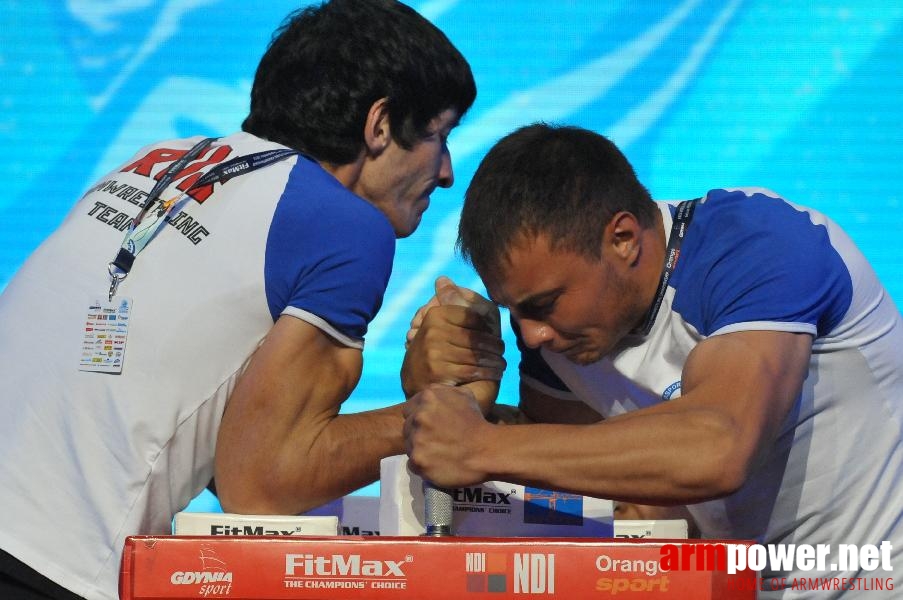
{"x": 753, "y": 258}
{"x": 329, "y": 255}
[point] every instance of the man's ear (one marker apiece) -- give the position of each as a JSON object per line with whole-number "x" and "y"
{"x": 623, "y": 238}
{"x": 377, "y": 133}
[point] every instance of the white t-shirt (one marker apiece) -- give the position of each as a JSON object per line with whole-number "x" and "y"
{"x": 753, "y": 261}
{"x": 90, "y": 458}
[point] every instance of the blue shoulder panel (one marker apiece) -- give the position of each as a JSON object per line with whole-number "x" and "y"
{"x": 750, "y": 257}
{"x": 329, "y": 252}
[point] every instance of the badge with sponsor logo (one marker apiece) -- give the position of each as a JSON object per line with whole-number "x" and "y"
{"x": 105, "y": 332}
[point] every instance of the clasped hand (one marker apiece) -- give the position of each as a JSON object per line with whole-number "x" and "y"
{"x": 455, "y": 339}
{"x": 451, "y": 373}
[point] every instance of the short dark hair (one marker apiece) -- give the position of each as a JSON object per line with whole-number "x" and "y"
{"x": 565, "y": 182}
{"x": 328, "y": 64}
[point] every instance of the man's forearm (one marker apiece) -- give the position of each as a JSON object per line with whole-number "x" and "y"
{"x": 612, "y": 459}
{"x": 346, "y": 455}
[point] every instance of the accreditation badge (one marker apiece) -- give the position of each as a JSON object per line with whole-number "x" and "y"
{"x": 105, "y": 333}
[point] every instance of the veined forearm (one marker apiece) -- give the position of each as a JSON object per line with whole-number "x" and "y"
{"x": 343, "y": 456}
{"x": 646, "y": 458}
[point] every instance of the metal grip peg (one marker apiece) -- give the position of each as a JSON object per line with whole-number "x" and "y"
{"x": 437, "y": 508}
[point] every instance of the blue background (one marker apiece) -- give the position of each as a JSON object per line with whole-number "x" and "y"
{"x": 801, "y": 97}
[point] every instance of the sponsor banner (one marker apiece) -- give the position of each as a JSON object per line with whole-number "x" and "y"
{"x": 357, "y": 515}
{"x": 494, "y": 508}
{"x": 197, "y": 523}
{"x": 651, "y": 528}
{"x": 454, "y": 568}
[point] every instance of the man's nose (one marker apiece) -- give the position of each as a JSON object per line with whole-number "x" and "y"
{"x": 446, "y": 173}
{"x": 534, "y": 333}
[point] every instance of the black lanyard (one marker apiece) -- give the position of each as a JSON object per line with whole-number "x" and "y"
{"x": 164, "y": 182}
{"x": 235, "y": 167}
{"x": 682, "y": 217}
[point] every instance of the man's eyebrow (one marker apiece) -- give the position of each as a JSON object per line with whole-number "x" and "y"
{"x": 533, "y": 301}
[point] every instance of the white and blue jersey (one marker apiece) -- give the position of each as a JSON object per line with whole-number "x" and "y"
{"x": 753, "y": 261}
{"x": 90, "y": 458}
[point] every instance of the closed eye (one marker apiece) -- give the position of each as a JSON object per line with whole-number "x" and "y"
{"x": 537, "y": 309}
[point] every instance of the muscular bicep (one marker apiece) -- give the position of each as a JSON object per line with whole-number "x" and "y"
{"x": 738, "y": 389}
{"x": 543, "y": 408}
{"x": 293, "y": 386}
{"x": 749, "y": 380}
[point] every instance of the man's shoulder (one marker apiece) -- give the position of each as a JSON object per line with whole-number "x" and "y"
{"x": 752, "y": 256}
{"x": 313, "y": 192}
{"x": 736, "y": 218}
{"x": 739, "y": 204}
